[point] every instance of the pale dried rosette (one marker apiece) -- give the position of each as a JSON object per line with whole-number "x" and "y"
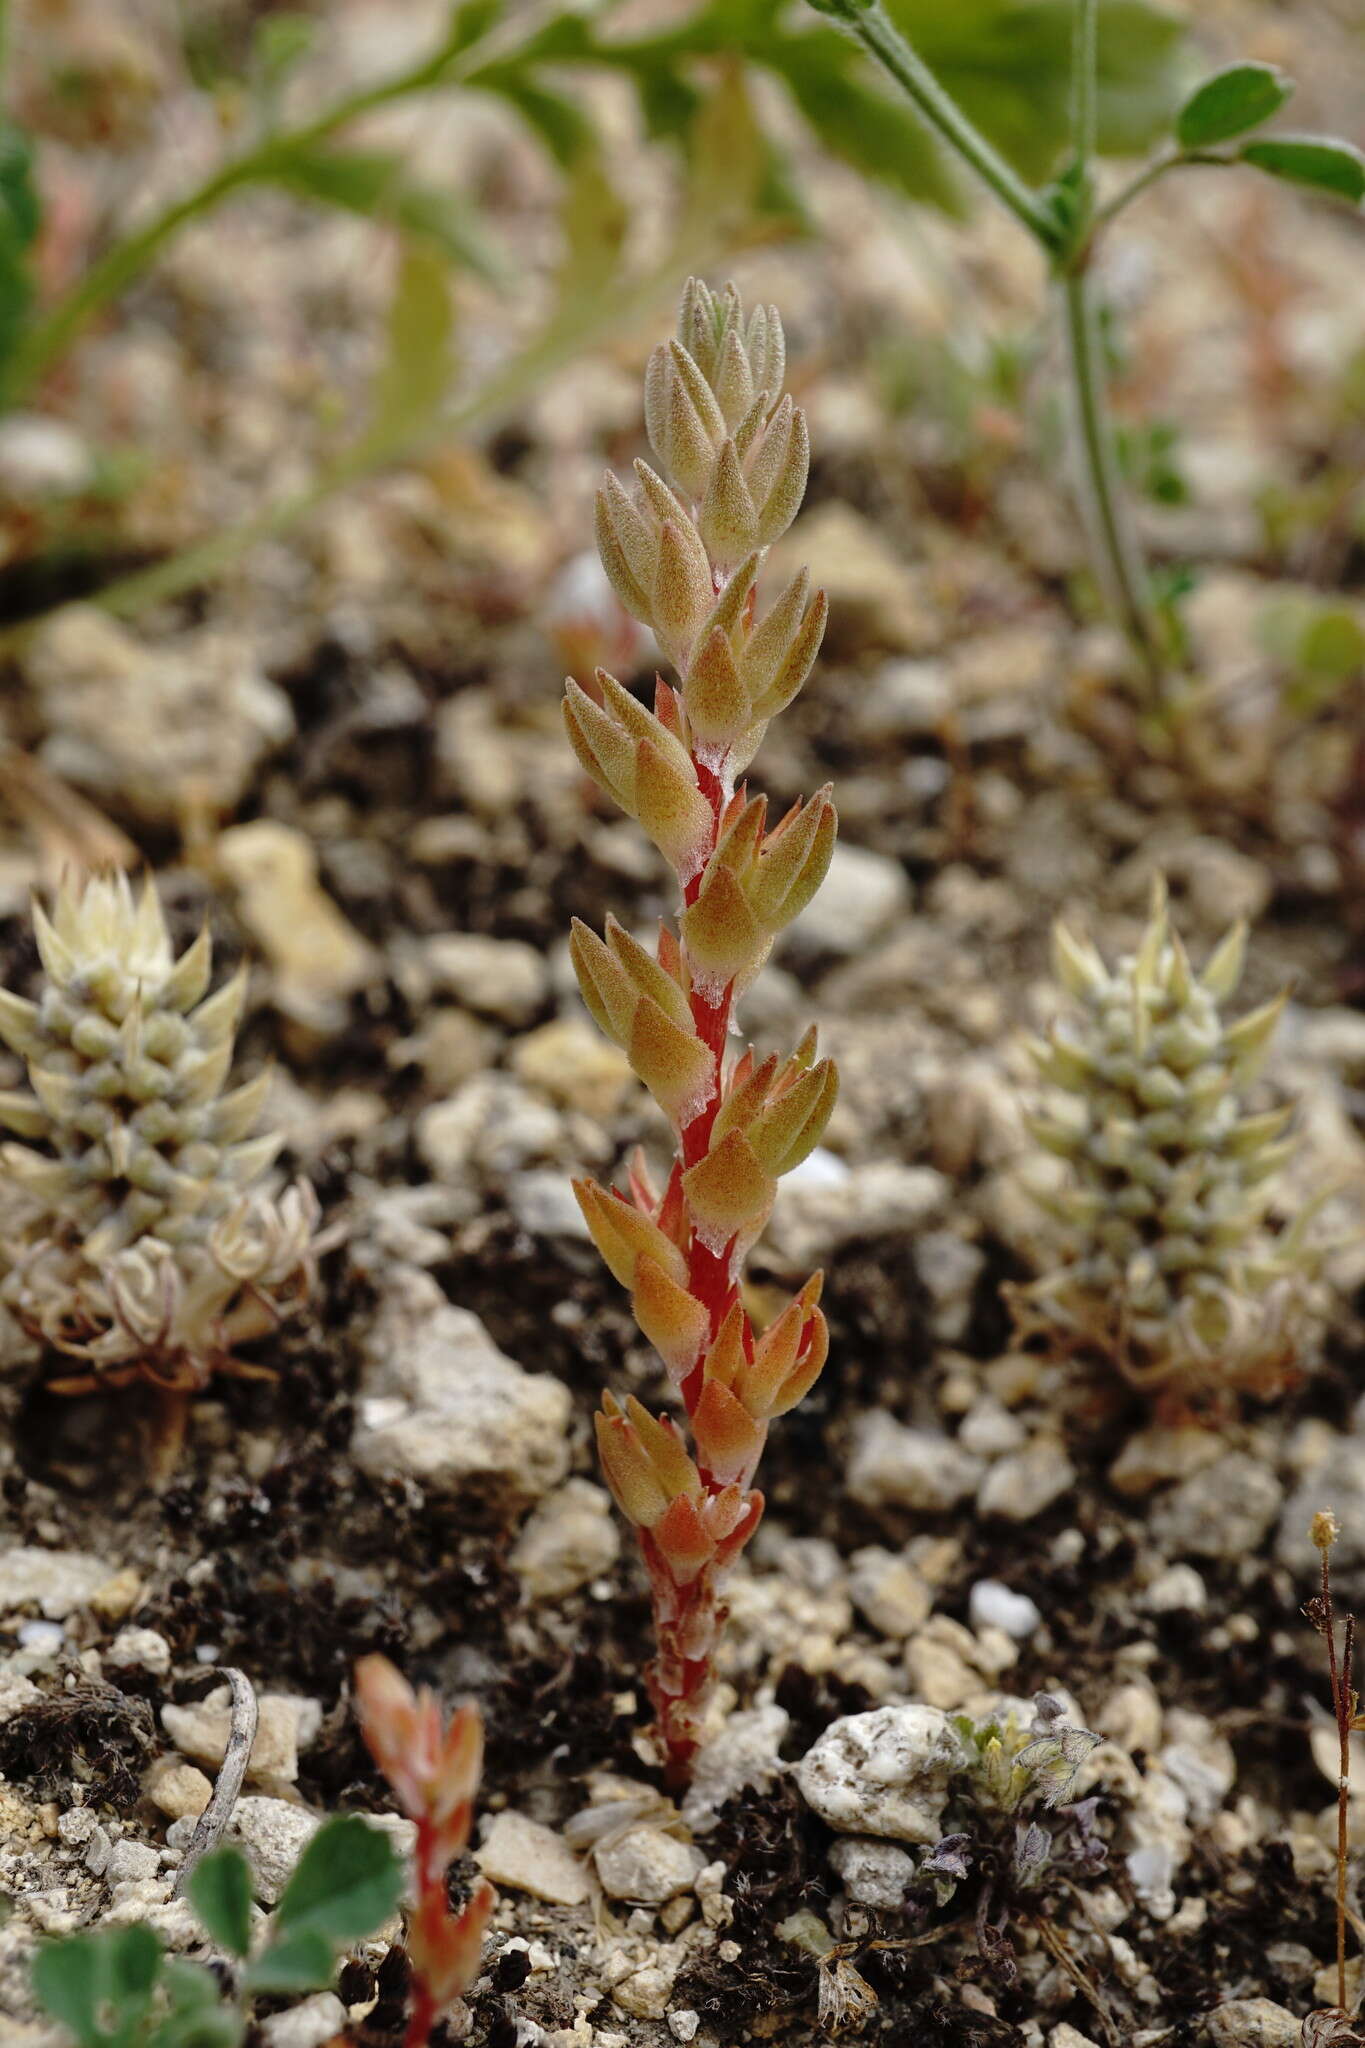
{"x": 137, "y": 1241}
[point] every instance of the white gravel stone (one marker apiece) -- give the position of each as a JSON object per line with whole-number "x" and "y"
{"x": 949, "y": 1267}
{"x": 1252, "y": 2023}
{"x": 647, "y": 1866}
{"x": 1155, "y": 1455}
{"x": 439, "y": 1403}
{"x": 646, "y": 1991}
{"x": 310, "y": 2024}
{"x": 317, "y": 958}
{"x": 1023, "y": 1484}
{"x": 200, "y": 1731}
{"x": 16, "y": 1693}
{"x": 149, "y": 723}
{"x": 503, "y": 978}
{"x": 904, "y": 698}
{"x": 883, "y": 1773}
{"x": 274, "y": 1834}
{"x": 42, "y": 457}
{"x": 527, "y": 1857}
{"x": 572, "y": 1537}
{"x": 1223, "y": 1511}
{"x": 1131, "y": 1717}
{"x": 888, "y": 1592}
{"x": 873, "y": 1873}
{"x": 43, "y": 1638}
{"x": 989, "y": 1430}
{"x": 862, "y": 894}
{"x": 1179, "y": 1589}
{"x": 1336, "y": 1482}
{"x": 991, "y": 1605}
{"x": 744, "y": 1753}
{"x": 56, "y": 1581}
{"x": 1201, "y": 1762}
{"x": 542, "y": 1201}
{"x": 491, "y": 1127}
{"x": 177, "y": 1789}
{"x": 682, "y": 2024}
{"x": 143, "y": 1649}
{"x": 883, "y": 1198}
{"x": 892, "y": 1465}
{"x": 132, "y": 1862}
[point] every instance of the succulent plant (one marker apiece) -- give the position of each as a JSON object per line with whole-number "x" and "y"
{"x": 683, "y": 552}
{"x": 1171, "y": 1269}
{"x": 137, "y": 1241}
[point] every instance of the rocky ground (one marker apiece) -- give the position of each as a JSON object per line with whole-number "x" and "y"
{"x": 346, "y": 755}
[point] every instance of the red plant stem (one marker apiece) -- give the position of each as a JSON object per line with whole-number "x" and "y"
{"x": 1339, "y": 1678}
{"x": 430, "y": 1877}
{"x": 709, "y": 1277}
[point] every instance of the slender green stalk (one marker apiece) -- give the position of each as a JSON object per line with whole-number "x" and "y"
{"x": 603, "y": 313}
{"x": 1172, "y": 160}
{"x": 1068, "y": 241}
{"x": 875, "y": 29}
{"x": 1104, "y": 507}
{"x": 1085, "y": 63}
{"x": 50, "y": 337}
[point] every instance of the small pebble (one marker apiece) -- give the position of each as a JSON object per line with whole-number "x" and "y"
{"x": 991, "y": 1605}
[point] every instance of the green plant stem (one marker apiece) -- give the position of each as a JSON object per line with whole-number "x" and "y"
{"x": 1085, "y": 61}
{"x": 877, "y": 32}
{"x": 1104, "y": 504}
{"x": 1108, "y": 525}
{"x": 50, "y": 337}
{"x": 1108, "y": 522}
{"x": 1174, "y": 160}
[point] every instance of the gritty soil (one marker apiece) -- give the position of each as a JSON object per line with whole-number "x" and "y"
{"x": 441, "y": 802}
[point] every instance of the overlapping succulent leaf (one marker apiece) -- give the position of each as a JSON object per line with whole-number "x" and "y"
{"x": 683, "y": 549}
{"x": 433, "y": 1769}
{"x": 1172, "y": 1268}
{"x": 144, "y": 1244}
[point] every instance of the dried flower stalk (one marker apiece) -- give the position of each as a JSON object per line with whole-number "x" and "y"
{"x": 683, "y": 551}
{"x": 434, "y": 1774}
{"x": 136, "y": 1241}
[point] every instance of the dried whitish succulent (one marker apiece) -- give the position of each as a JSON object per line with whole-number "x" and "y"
{"x": 1172, "y": 1269}
{"x": 139, "y": 1244}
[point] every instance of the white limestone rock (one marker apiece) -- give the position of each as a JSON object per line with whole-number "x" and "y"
{"x": 439, "y": 1403}
{"x": 883, "y": 1773}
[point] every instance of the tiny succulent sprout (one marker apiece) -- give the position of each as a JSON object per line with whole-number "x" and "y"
{"x": 136, "y": 1239}
{"x": 433, "y": 1771}
{"x": 1172, "y": 1271}
{"x": 683, "y": 550}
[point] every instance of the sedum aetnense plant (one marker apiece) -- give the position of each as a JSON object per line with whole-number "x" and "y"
{"x": 433, "y": 1767}
{"x": 683, "y": 551}
{"x": 135, "y": 1241}
{"x": 1171, "y": 1270}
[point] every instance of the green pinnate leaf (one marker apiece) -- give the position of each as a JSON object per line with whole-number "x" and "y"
{"x": 374, "y": 183}
{"x": 347, "y": 1882}
{"x": 198, "y": 2016}
{"x": 1231, "y": 102}
{"x": 417, "y": 366}
{"x": 1315, "y": 161}
{"x": 220, "y": 1892}
{"x": 100, "y": 1986}
{"x": 304, "y": 1960}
